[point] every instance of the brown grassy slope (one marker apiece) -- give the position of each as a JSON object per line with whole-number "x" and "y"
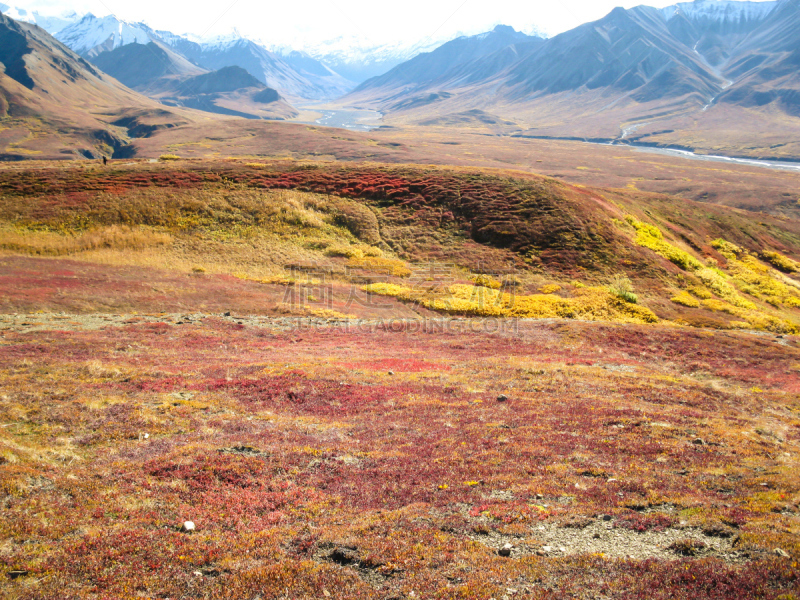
{"x": 60, "y": 106}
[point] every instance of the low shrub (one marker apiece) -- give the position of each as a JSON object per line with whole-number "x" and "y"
{"x": 551, "y": 288}
{"x": 591, "y": 303}
{"x": 780, "y": 262}
{"x": 622, "y": 288}
{"x": 651, "y": 237}
{"x": 686, "y": 299}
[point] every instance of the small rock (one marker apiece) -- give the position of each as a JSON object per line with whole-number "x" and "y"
{"x": 505, "y": 550}
{"x": 562, "y": 549}
{"x": 344, "y": 556}
{"x": 227, "y": 314}
{"x": 698, "y": 442}
{"x": 502, "y": 398}
{"x": 391, "y": 372}
{"x": 606, "y": 517}
{"x": 781, "y": 552}
{"x": 187, "y": 527}
{"x": 539, "y": 497}
{"x": 17, "y": 573}
{"x": 547, "y": 549}
{"x": 197, "y": 573}
{"x": 597, "y": 536}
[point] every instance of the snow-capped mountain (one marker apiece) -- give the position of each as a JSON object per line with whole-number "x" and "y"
{"x": 92, "y": 35}
{"x": 296, "y": 76}
{"x": 357, "y": 60}
{"x": 720, "y": 10}
{"x": 267, "y": 67}
{"x": 52, "y": 24}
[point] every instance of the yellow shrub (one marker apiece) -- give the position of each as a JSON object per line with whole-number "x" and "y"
{"x": 721, "y": 306}
{"x": 755, "y": 319}
{"x": 700, "y": 292}
{"x": 651, "y": 237}
{"x": 781, "y": 262}
{"x": 256, "y": 165}
{"x": 373, "y": 251}
{"x": 792, "y": 302}
{"x": 595, "y": 303}
{"x": 550, "y": 289}
{"x": 273, "y": 279}
{"x": 486, "y": 281}
{"x": 345, "y": 251}
{"x": 715, "y": 280}
{"x": 169, "y": 157}
{"x": 390, "y": 266}
{"x": 358, "y": 252}
{"x": 756, "y": 279}
{"x": 686, "y": 299}
{"x": 727, "y": 249}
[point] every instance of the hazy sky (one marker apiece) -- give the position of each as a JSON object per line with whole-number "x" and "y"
{"x": 318, "y": 20}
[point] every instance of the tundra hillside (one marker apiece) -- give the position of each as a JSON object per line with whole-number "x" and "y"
{"x": 288, "y": 379}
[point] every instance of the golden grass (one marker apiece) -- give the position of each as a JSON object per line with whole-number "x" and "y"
{"x": 50, "y": 243}
{"x": 389, "y": 266}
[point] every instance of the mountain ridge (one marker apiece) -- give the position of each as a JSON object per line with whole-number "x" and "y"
{"x": 676, "y": 76}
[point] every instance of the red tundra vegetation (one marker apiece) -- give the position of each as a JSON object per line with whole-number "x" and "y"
{"x": 157, "y": 368}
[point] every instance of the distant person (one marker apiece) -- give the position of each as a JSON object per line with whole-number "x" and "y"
{"x": 105, "y": 161}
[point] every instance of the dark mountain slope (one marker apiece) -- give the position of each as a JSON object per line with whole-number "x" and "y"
{"x": 228, "y": 91}
{"x": 227, "y": 79}
{"x": 139, "y": 66}
{"x": 767, "y": 66}
{"x": 626, "y": 51}
{"x": 441, "y": 63}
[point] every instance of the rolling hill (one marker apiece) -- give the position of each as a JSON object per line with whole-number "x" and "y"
{"x": 144, "y": 66}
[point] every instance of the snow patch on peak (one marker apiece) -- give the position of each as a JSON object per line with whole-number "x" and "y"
{"x": 727, "y": 11}
{"x": 107, "y": 32}
{"x": 52, "y": 24}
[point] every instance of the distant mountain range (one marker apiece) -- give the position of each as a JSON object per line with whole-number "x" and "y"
{"x": 716, "y": 75}
{"x": 321, "y": 71}
{"x": 721, "y": 70}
